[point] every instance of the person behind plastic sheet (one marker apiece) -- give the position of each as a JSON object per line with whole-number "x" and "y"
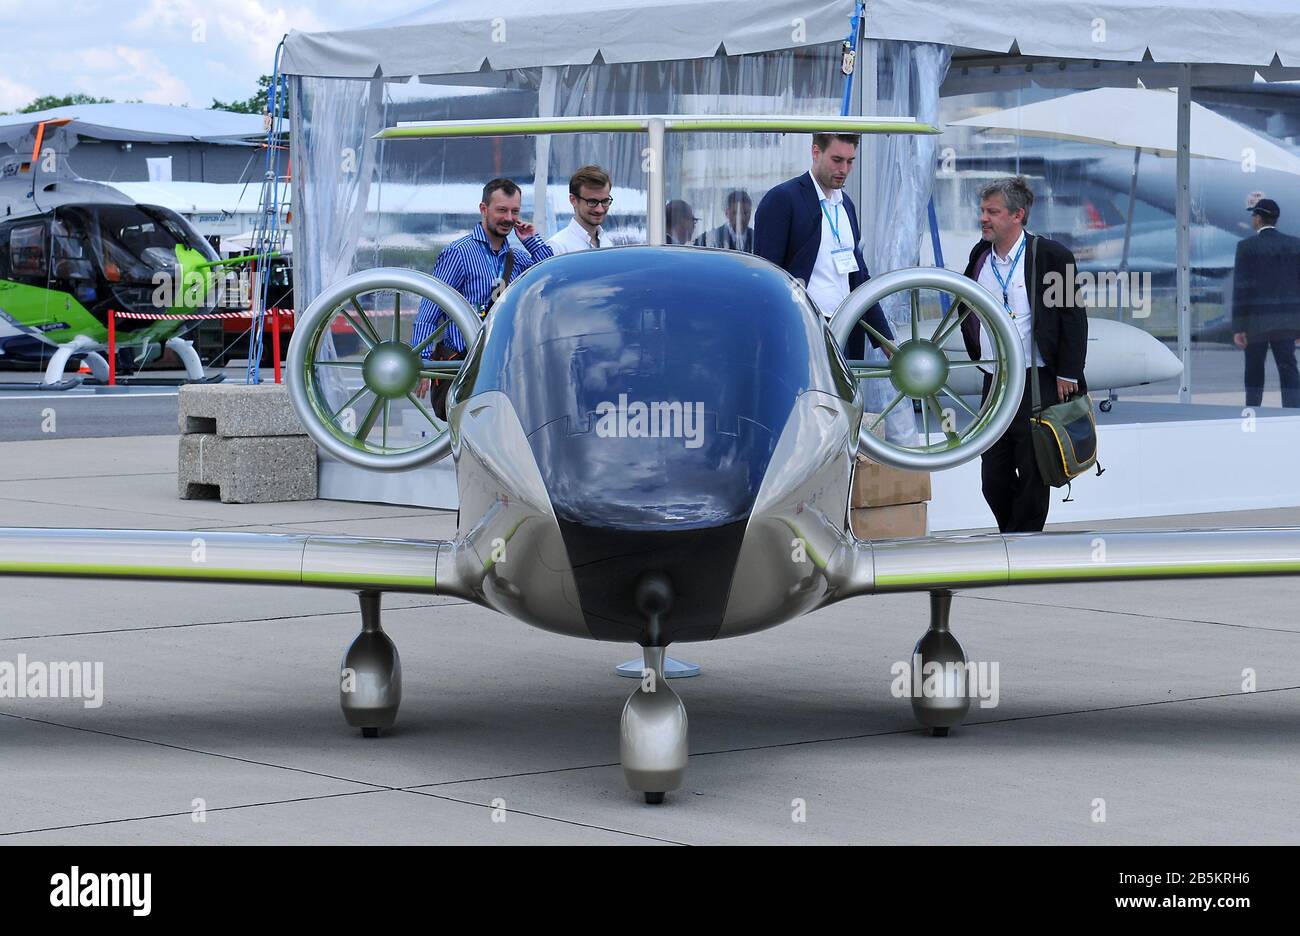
{"x": 1265, "y": 290}
{"x": 736, "y": 234}
{"x": 1032, "y": 277}
{"x": 589, "y": 195}
{"x": 679, "y": 222}
{"x": 478, "y": 266}
{"x": 808, "y": 226}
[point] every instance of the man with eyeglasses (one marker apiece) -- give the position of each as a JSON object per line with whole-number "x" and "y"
{"x": 478, "y": 266}
{"x": 589, "y": 195}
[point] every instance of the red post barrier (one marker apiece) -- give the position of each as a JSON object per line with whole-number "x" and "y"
{"x": 112, "y": 348}
{"x": 275, "y": 341}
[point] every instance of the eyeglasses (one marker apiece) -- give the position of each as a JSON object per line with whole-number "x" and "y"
{"x": 594, "y": 203}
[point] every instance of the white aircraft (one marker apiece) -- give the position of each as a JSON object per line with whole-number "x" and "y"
{"x": 1119, "y": 356}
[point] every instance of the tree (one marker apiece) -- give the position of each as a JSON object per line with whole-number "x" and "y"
{"x": 46, "y": 101}
{"x": 257, "y": 104}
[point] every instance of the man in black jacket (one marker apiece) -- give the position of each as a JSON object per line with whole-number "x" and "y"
{"x": 1034, "y": 278}
{"x": 1265, "y": 290}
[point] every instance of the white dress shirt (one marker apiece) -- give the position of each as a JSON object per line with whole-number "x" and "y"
{"x": 1022, "y": 316}
{"x": 827, "y": 287}
{"x": 574, "y": 237}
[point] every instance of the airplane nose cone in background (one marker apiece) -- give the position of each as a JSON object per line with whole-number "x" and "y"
{"x": 1122, "y": 355}
{"x": 1161, "y": 362}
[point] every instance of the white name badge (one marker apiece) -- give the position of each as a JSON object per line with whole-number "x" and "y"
{"x": 845, "y": 262}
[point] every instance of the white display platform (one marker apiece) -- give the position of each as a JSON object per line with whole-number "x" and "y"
{"x": 1155, "y": 469}
{"x": 427, "y": 486}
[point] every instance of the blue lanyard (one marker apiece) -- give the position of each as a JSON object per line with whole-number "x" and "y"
{"x": 835, "y": 225}
{"x": 1005, "y": 283}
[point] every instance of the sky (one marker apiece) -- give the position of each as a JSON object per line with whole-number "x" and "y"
{"x": 160, "y": 51}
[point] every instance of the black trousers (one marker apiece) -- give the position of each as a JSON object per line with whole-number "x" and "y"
{"x": 857, "y": 345}
{"x": 438, "y": 397}
{"x": 1013, "y": 488}
{"x": 1283, "y": 345}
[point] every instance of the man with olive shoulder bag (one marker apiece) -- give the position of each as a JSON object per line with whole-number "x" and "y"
{"x": 1034, "y": 278}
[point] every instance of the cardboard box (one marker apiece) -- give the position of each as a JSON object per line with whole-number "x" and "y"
{"x": 878, "y": 430}
{"x": 876, "y": 485}
{"x": 895, "y": 522}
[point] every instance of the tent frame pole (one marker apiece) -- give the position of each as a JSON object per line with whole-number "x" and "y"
{"x": 547, "y": 104}
{"x": 1184, "y": 214}
{"x": 655, "y": 209}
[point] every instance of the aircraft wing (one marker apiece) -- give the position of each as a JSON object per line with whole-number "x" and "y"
{"x": 858, "y": 567}
{"x": 352, "y": 563}
{"x": 991, "y": 559}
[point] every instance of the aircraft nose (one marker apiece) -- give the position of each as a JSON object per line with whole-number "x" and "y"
{"x": 1123, "y": 355}
{"x": 1158, "y": 361}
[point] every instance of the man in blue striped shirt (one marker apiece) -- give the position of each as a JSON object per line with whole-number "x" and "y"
{"x": 478, "y": 266}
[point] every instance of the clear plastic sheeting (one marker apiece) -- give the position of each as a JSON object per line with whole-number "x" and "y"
{"x": 898, "y": 169}
{"x": 702, "y": 169}
{"x": 896, "y": 174}
{"x": 1106, "y": 187}
{"x": 362, "y": 203}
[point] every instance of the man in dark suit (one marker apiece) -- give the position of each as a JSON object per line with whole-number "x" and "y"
{"x": 1034, "y": 278}
{"x": 1265, "y": 290}
{"x": 736, "y": 234}
{"x": 800, "y": 227}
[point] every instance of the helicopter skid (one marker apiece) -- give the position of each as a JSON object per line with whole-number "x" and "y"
{"x": 157, "y": 381}
{"x": 67, "y": 383}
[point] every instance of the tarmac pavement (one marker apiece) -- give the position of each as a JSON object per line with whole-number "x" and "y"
{"x": 1119, "y": 700}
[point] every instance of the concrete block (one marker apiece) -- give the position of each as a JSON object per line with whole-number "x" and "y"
{"x": 233, "y": 410}
{"x": 253, "y": 470}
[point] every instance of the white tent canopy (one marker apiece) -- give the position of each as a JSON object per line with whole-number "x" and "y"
{"x": 1191, "y": 31}
{"x": 461, "y": 36}
{"x": 200, "y": 197}
{"x": 468, "y": 42}
{"x": 142, "y": 123}
{"x": 1136, "y": 118}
